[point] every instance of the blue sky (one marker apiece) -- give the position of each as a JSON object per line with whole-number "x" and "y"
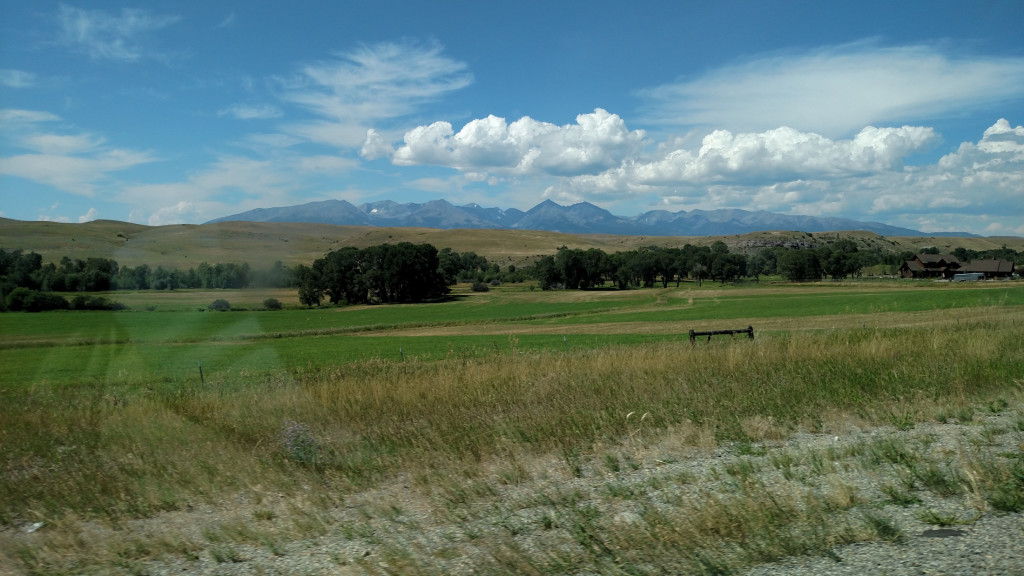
{"x": 908, "y": 113}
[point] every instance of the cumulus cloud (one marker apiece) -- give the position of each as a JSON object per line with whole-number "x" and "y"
{"x": 89, "y": 216}
{"x": 978, "y": 187}
{"x": 179, "y": 213}
{"x": 372, "y": 83}
{"x": 105, "y": 36}
{"x": 984, "y": 177}
{"x": 375, "y": 146}
{"x": 596, "y": 142}
{"x": 756, "y": 159}
{"x": 837, "y": 90}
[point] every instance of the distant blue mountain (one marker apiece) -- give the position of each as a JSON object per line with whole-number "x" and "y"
{"x": 582, "y": 218}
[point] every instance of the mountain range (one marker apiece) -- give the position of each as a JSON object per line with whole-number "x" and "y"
{"x": 581, "y": 218}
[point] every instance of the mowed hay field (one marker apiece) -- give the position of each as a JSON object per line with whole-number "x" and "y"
{"x": 512, "y": 431}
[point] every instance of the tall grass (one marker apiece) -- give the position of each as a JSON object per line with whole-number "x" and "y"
{"x": 106, "y": 451}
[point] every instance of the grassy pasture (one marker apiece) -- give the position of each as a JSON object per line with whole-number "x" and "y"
{"x": 103, "y": 418}
{"x": 134, "y": 346}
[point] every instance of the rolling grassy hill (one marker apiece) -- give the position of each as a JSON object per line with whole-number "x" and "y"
{"x": 260, "y": 244}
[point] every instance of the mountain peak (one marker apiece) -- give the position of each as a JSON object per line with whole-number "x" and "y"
{"x": 579, "y": 218}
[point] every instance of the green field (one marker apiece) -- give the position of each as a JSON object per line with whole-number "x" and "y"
{"x": 139, "y": 345}
{"x": 458, "y": 406}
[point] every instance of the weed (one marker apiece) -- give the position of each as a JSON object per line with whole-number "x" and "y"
{"x": 902, "y": 419}
{"x": 942, "y": 480}
{"x": 263, "y": 514}
{"x": 996, "y": 406}
{"x": 742, "y": 469}
{"x": 964, "y": 414}
{"x": 746, "y": 448}
{"x": 819, "y": 464}
{"x": 1007, "y": 492}
{"x": 611, "y": 461}
{"x": 225, "y": 554}
{"x": 898, "y": 496}
{"x": 889, "y": 451}
{"x": 883, "y": 527}
{"x": 929, "y": 516}
{"x": 621, "y": 490}
{"x": 784, "y": 462}
{"x": 987, "y": 435}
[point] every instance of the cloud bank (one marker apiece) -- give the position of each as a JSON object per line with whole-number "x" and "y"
{"x": 836, "y": 90}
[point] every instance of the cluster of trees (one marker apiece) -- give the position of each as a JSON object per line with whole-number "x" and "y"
{"x": 386, "y": 273}
{"x": 582, "y": 269}
{"x": 1004, "y": 253}
{"x": 571, "y": 268}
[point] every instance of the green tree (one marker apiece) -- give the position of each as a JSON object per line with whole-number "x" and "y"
{"x": 799, "y": 265}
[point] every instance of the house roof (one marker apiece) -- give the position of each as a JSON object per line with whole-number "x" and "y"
{"x": 913, "y": 266}
{"x": 990, "y": 266}
{"x": 932, "y": 260}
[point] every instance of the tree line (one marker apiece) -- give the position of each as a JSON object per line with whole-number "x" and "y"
{"x": 36, "y": 282}
{"x": 574, "y": 269}
{"x": 406, "y": 272}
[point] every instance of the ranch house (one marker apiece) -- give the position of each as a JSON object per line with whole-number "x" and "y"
{"x": 930, "y": 266}
{"x": 991, "y": 268}
{"x": 945, "y": 266}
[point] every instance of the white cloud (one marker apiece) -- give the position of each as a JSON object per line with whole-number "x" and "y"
{"x": 979, "y": 187}
{"x": 62, "y": 219}
{"x": 231, "y": 184}
{"x": 179, "y": 213}
{"x": 10, "y": 78}
{"x": 596, "y": 142}
{"x": 89, "y": 216}
{"x": 375, "y": 82}
{"x": 375, "y": 146}
{"x": 326, "y": 164}
{"x": 75, "y": 163}
{"x": 11, "y": 117}
{"x": 753, "y": 159}
{"x": 837, "y": 90}
{"x": 104, "y": 36}
{"x": 61, "y": 144}
{"x": 251, "y": 111}
{"x": 78, "y": 175}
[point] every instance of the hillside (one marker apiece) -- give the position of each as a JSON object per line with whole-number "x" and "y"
{"x": 262, "y": 243}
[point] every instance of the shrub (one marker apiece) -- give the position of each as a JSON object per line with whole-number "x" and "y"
{"x": 82, "y": 302}
{"x": 28, "y": 300}
{"x": 272, "y": 304}
{"x": 480, "y": 287}
{"x": 220, "y": 304}
{"x": 299, "y": 444}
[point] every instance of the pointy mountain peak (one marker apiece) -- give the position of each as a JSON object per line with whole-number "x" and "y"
{"x": 548, "y": 215}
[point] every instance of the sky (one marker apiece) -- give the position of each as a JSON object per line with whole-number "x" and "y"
{"x": 908, "y": 113}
